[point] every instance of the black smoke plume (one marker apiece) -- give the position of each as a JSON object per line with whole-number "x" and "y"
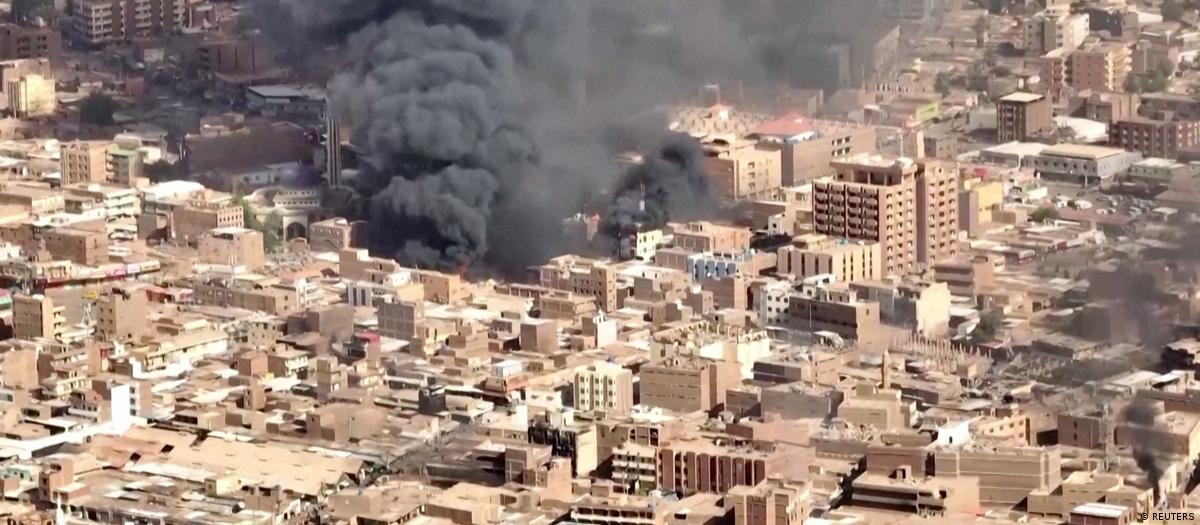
{"x": 1151, "y": 448}
{"x": 666, "y": 183}
{"x": 488, "y": 121}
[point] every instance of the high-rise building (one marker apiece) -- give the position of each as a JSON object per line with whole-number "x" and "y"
{"x": 876, "y": 199}
{"x": 771, "y": 502}
{"x": 808, "y": 145}
{"x": 31, "y": 96}
{"x": 687, "y": 384}
{"x": 937, "y": 212}
{"x": 1053, "y": 29}
{"x": 604, "y": 390}
{"x": 18, "y": 41}
{"x": 100, "y": 22}
{"x": 1020, "y": 116}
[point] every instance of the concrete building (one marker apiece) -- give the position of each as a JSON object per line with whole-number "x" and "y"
{"x": 36, "y": 316}
{"x": 125, "y": 164}
{"x": 1106, "y": 106}
{"x": 1102, "y": 66}
{"x": 234, "y": 247}
{"x": 31, "y": 96}
{"x": 807, "y": 146}
{"x": 696, "y": 466}
{"x": 121, "y": 314}
{"x": 683, "y": 384}
{"x": 100, "y": 22}
{"x": 1085, "y": 164}
{"x": 604, "y": 390}
{"x": 336, "y": 234}
{"x": 937, "y": 212}
{"x": 274, "y": 300}
{"x": 749, "y": 263}
{"x": 835, "y": 310}
{"x": 84, "y": 161}
{"x": 871, "y": 199}
{"x": 21, "y": 42}
{"x": 771, "y": 502}
{"x": 704, "y": 236}
{"x": 1155, "y": 172}
{"x": 588, "y": 277}
{"x": 876, "y": 199}
{"x": 1007, "y": 475}
{"x": 847, "y": 261}
{"x": 742, "y": 169}
{"x": 198, "y": 216}
{"x": 1154, "y": 138}
{"x": 88, "y": 247}
{"x": 1020, "y": 116}
{"x": 1053, "y": 29}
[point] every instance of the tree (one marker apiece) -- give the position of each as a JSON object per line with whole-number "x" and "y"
{"x": 942, "y": 83}
{"x": 97, "y": 110}
{"x": 1044, "y": 214}
{"x": 989, "y": 323}
{"x": 1133, "y": 84}
{"x": 1172, "y": 10}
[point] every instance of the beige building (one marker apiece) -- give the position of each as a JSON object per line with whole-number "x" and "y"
{"x": 1007, "y": 475}
{"x": 1020, "y": 116}
{"x": 604, "y": 390}
{"x": 121, "y": 314}
{"x": 270, "y": 299}
{"x": 31, "y": 96}
{"x": 1154, "y": 138}
{"x": 847, "y": 261}
{"x": 99, "y": 22}
{"x": 84, "y": 161}
{"x": 1054, "y": 28}
{"x": 937, "y": 212}
{"x": 837, "y": 310}
{"x": 704, "y": 236}
{"x": 877, "y": 199}
{"x": 742, "y": 169}
{"x": 771, "y": 502}
{"x": 36, "y": 316}
{"x": 590, "y": 277}
{"x": 698, "y": 466}
{"x": 233, "y": 247}
{"x": 191, "y": 221}
{"x": 807, "y": 146}
{"x": 687, "y": 384}
{"x": 1101, "y": 66}
{"x": 81, "y": 246}
{"x": 335, "y": 234}
{"x": 871, "y": 199}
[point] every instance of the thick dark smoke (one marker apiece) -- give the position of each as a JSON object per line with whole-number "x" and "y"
{"x": 488, "y": 121}
{"x": 669, "y": 182}
{"x": 1151, "y": 448}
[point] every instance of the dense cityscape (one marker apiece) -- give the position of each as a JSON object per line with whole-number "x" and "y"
{"x": 599, "y": 262}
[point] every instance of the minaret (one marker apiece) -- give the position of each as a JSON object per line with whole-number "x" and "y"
{"x": 60, "y": 517}
{"x": 333, "y": 146}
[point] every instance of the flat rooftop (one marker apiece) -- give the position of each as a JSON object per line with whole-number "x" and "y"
{"x": 1081, "y": 151}
{"x": 1022, "y": 97}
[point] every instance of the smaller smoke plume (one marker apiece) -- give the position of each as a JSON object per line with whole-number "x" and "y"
{"x": 1151, "y": 449}
{"x": 669, "y": 183}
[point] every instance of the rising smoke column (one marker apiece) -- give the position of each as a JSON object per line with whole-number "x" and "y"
{"x": 488, "y": 121}
{"x": 1151, "y": 449}
{"x": 668, "y": 182}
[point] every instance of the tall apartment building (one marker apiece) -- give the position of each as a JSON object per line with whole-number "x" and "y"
{"x": 807, "y": 146}
{"x": 847, "y": 261}
{"x": 837, "y": 310}
{"x": 1053, "y": 29}
{"x": 100, "y": 22}
{"x": 121, "y": 314}
{"x": 875, "y": 199}
{"x": 1154, "y": 138}
{"x": 37, "y": 316}
{"x": 1020, "y": 116}
{"x": 937, "y": 212}
{"x": 692, "y": 466}
{"x": 871, "y": 199}
{"x": 1102, "y": 66}
{"x": 604, "y": 390}
{"x": 687, "y": 384}
{"x": 84, "y": 161}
